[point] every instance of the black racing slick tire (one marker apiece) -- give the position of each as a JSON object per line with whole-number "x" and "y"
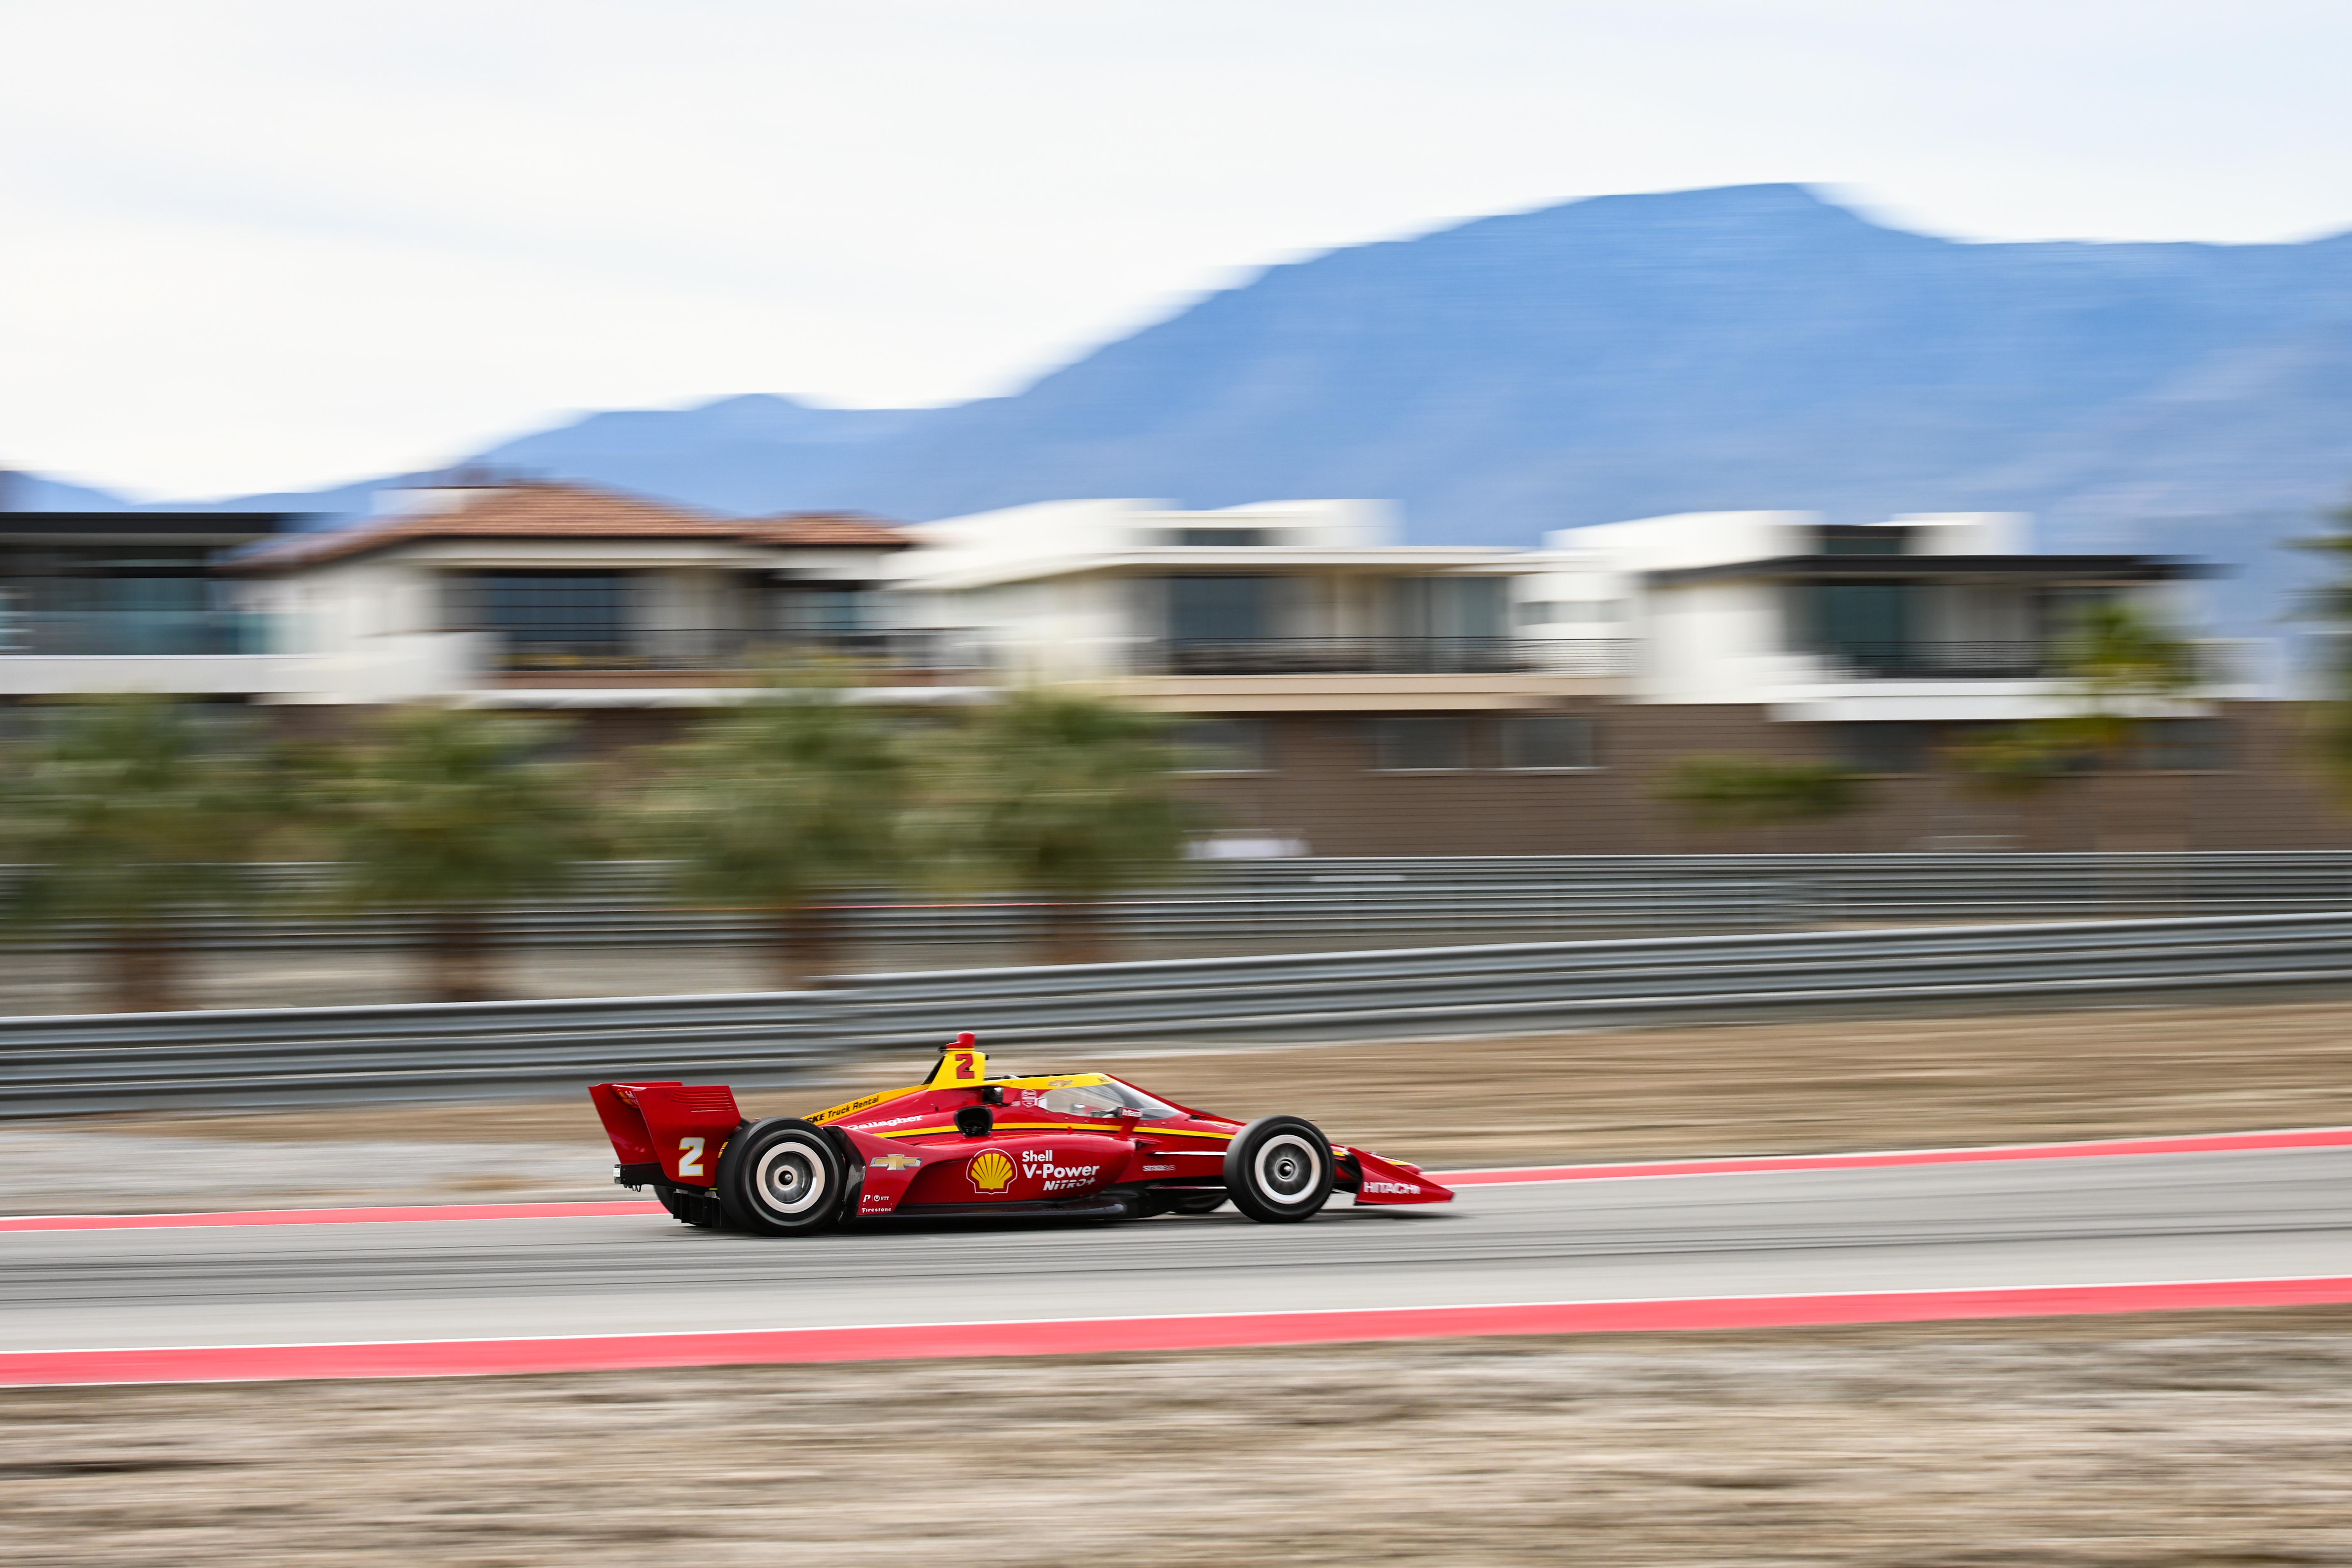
{"x": 1279, "y": 1170}
{"x": 781, "y": 1176}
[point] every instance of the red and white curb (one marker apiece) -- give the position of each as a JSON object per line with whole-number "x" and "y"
{"x": 615, "y": 1353}
{"x": 406, "y": 1214}
{"x": 2105, "y": 1148}
{"x": 2194, "y": 1143}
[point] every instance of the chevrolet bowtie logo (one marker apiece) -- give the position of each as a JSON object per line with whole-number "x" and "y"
{"x": 897, "y": 1162}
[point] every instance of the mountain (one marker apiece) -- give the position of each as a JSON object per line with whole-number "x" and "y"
{"x": 1751, "y": 347}
{"x": 31, "y": 492}
{"x": 738, "y": 453}
{"x": 1625, "y": 356}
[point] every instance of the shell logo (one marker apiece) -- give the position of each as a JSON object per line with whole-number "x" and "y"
{"x": 991, "y": 1171}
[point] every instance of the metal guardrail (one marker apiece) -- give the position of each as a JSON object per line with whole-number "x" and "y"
{"x": 113, "y": 1062}
{"x": 425, "y": 1050}
{"x": 1481, "y": 911}
{"x": 1418, "y": 993}
{"x": 1941, "y": 885}
{"x": 1532, "y": 896}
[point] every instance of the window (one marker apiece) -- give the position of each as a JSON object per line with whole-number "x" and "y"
{"x": 577, "y": 613}
{"x": 1420, "y": 745}
{"x": 1222, "y": 746}
{"x": 1866, "y": 624}
{"x": 1220, "y": 609}
{"x": 1888, "y": 746}
{"x": 1549, "y": 740}
{"x": 1212, "y": 537}
{"x": 1565, "y": 612}
{"x": 1446, "y": 606}
{"x": 2184, "y": 745}
{"x": 1875, "y": 540}
{"x": 821, "y": 610}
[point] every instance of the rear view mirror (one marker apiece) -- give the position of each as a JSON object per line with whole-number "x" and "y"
{"x": 975, "y": 1120}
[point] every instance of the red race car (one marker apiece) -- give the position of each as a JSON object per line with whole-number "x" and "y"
{"x": 960, "y": 1143}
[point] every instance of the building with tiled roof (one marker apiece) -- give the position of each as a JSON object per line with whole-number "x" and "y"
{"x": 564, "y": 513}
{"x": 496, "y": 591}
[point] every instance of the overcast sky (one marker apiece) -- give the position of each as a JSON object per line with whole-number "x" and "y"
{"x": 250, "y": 244}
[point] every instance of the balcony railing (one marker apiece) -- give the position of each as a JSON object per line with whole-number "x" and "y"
{"x": 1379, "y": 656}
{"x": 154, "y": 634}
{"x": 711, "y": 648}
{"x": 1943, "y": 660}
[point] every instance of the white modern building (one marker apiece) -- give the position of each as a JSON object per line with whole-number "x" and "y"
{"x": 1921, "y": 617}
{"x": 133, "y": 602}
{"x": 1337, "y": 688}
{"x": 1273, "y": 606}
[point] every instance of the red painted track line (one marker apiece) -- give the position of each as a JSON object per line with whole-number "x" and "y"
{"x": 329, "y": 1216}
{"x": 459, "y": 1358}
{"x": 2198, "y": 1143}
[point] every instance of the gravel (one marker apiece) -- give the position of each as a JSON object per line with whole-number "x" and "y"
{"x": 2195, "y": 1441}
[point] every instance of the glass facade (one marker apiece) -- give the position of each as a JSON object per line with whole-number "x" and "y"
{"x": 1222, "y": 746}
{"x": 1220, "y": 609}
{"x": 1549, "y": 740}
{"x": 156, "y": 600}
{"x": 554, "y": 614}
{"x": 1420, "y": 745}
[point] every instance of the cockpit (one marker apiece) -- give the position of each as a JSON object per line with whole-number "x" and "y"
{"x": 1103, "y": 1099}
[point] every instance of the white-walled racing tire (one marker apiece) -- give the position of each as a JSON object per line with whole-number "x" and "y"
{"x": 781, "y": 1176}
{"x": 1279, "y": 1170}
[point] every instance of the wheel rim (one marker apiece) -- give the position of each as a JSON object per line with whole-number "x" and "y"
{"x": 1288, "y": 1167}
{"x": 790, "y": 1180}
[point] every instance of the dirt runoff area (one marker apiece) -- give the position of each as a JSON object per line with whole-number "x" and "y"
{"x": 2194, "y": 1441}
{"x": 1630, "y": 1094}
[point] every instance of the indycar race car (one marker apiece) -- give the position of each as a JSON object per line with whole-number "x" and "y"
{"x": 1083, "y": 1144}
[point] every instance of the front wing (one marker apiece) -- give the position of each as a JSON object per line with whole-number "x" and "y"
{"x": 1387, "y": 1182}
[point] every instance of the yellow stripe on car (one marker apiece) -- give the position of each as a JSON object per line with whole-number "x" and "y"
{"x": 1053, "y": 1126}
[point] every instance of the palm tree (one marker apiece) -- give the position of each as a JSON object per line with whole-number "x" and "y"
{"x": 780, "y": 806}
{"x": 2119, "y": 668}
{"x": 123, "y": 813}
{"x": 2122, "y": 663}
{"x": 451, "y": 812}
{"x": 1759, "y": 792}
{"x": 2329, "y": 606}
{"x": 1065, "y": 798}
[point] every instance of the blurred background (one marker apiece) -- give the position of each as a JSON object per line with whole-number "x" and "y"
{"x": 1534, "y": 580}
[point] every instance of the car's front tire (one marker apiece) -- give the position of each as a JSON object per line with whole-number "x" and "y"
{"x": 1279, "y": 1170}
{"x": 781, "y": 1176}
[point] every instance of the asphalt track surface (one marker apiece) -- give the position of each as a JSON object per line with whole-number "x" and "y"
{"x": 1921, "y": 1224}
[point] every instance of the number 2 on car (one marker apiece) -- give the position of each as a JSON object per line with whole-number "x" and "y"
{"x": 690, "y": 1156}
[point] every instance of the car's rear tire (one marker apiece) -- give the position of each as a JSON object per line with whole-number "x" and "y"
{"x": 781, "y": 1176}
{"x": 1279, "y": 1170}
{"x": 694, "y": 1209}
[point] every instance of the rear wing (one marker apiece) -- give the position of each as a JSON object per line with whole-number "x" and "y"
{"x": 670, "y": 1125}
